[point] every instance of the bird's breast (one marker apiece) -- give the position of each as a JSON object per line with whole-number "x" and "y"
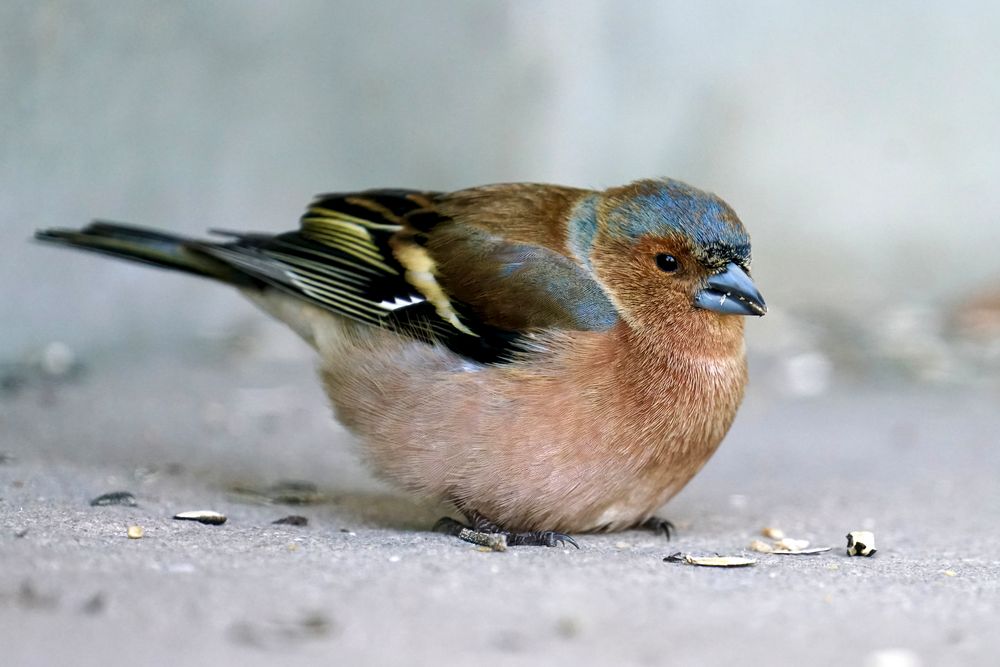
{"x": 586, "y": 434}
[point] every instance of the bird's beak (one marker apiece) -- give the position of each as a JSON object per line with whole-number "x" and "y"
{"x": 731, "y": 292}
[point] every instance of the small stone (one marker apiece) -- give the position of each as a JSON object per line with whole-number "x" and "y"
{"x": 135, "y": 532}
{"x": 202, "y": 516}
{"x": 861, "y": 543}
{"x": 292, "y": 520}
{"x": 114, "y": 498}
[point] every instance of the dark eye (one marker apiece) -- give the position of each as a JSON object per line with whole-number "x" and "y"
{"x": 667, "y": 263}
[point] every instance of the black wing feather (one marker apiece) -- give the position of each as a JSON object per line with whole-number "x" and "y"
{"x": 341, "y": 260}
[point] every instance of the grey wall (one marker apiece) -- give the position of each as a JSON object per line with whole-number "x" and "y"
{"x": 860, "y": 144}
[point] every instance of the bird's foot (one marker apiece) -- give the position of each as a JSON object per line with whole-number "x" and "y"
{"x": 541, "y": 538}
{"x": 486, "y": 533}
{"x": 658, "y": 525}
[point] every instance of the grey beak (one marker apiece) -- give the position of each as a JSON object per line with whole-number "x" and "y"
{"x": 731, "y": 292}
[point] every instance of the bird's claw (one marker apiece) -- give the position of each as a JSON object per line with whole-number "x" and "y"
{"x": 541, "y": 538}
{"x": 658, "y": 525}
{"x": 538, "y": 538}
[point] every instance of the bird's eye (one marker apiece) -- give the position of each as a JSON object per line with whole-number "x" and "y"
{"x": 667, "y": 263}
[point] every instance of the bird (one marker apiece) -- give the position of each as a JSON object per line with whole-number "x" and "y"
{"x": 549, "y": 360}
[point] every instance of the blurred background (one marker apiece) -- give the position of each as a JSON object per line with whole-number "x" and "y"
{"x": 858, "y": 141}
{"x": 859, "y": 144}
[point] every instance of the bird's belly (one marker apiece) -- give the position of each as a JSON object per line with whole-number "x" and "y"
{"x": 529, "y": 450}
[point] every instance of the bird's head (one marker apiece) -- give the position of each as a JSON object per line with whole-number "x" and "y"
{"x": 669, "y": 254}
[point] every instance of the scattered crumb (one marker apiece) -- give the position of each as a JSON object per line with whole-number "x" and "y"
{"x": 786, "y": 546}
{"x": 949, "y": 573}
{"x": 292, "y": 520}
{"x": 135, "y": 532}
{"x": 621, "y": 545}
{"x": 114, "y": 498}
{"x": 289, "y": 492}
{"x": 860, "y": 543}
{"x": 208, "y": 517}
{"x": 789, "y": 544}
{"x": 710, "y": 561}
{"x": 801, "y": 552}
{"x": 773, "y": 533}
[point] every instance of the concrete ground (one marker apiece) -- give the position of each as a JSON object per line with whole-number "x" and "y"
{"x": 366, "y": 583}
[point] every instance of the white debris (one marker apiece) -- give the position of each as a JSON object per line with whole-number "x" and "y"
{"x": 861, "y": 543}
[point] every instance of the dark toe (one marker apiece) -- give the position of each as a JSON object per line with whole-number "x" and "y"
{"x": 541, "y": 538}
{"x": 448, "y": 526}
{"x": 562, "y": 539}
{"x": 658, "y": 525}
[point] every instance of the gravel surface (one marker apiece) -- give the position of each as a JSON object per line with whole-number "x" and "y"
{"x": 366, "y": 583}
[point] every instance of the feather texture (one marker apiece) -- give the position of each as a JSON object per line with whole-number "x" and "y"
{"x": 551, "y": 358}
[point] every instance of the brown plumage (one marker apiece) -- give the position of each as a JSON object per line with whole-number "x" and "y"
{"x": 545, "y": 358}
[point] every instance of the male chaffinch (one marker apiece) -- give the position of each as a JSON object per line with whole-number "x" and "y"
{"x": 548, "y": 359}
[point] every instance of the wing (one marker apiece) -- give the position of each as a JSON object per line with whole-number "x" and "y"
{"x": 394, "y": 259}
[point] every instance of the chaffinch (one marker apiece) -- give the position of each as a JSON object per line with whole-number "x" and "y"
{"x": 548, "y": 359}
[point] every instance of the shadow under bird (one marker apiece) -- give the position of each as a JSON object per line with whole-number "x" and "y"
{"x": 550, "y": 360}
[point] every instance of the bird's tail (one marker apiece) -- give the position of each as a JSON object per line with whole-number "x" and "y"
{"x": 149, "y": 247}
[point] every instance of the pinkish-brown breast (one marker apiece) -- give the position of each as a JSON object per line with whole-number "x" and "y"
{"x": 594, "y": 434}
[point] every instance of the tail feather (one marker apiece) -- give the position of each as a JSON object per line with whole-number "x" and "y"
{"x": 148, "y": 247}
